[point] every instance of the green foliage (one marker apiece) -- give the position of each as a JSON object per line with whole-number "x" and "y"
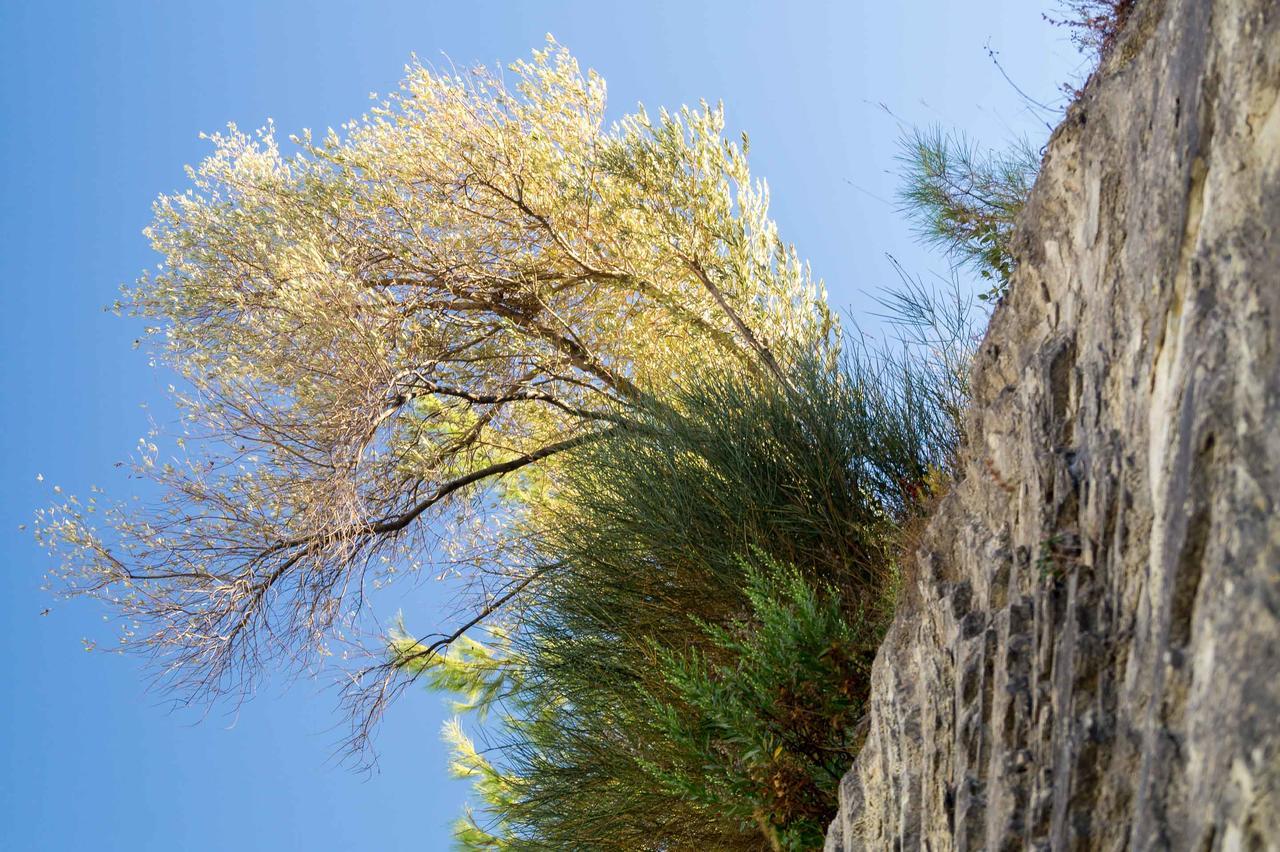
{"x": 937, "y": 332}
{"x": 965, "y": 200}
{"x": 691, "y": 676}
{"x": 766, "y": 736}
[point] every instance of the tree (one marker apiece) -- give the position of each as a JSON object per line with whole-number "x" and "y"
{"x": 408, "y": 323}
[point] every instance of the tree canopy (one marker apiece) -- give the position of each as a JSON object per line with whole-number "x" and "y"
{"x": 388, "y": 339}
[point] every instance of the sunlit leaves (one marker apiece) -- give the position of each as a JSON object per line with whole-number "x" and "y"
{"x": 388, "y": 333}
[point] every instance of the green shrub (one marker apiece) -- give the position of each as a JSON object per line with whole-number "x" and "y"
{"x": 766, "y": 735}
{"x": 965, "y": 200}
{"x": 636, "y": 691}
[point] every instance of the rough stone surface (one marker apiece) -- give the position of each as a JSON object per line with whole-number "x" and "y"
{"x": 1094, "y": 660}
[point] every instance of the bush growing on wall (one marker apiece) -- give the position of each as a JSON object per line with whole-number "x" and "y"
{"x": 691, "y": 673}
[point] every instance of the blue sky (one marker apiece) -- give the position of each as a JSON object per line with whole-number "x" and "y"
{"x": 100, "y": 107}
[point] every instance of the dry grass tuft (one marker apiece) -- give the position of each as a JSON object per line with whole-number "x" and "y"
{"x": 1094, "y": 24}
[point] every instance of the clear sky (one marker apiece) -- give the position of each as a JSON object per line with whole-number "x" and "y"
{"x": 100, "y": 107}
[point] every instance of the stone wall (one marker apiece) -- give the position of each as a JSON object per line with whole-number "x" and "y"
{"x": 1094, "y": 659}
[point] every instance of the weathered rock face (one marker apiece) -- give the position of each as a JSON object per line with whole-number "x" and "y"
{"x": 1095, "y": 659}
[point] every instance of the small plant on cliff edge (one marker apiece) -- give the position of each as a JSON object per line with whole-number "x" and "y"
{"x": 1094, "y": 24}
{"x": 965, "y": 200}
